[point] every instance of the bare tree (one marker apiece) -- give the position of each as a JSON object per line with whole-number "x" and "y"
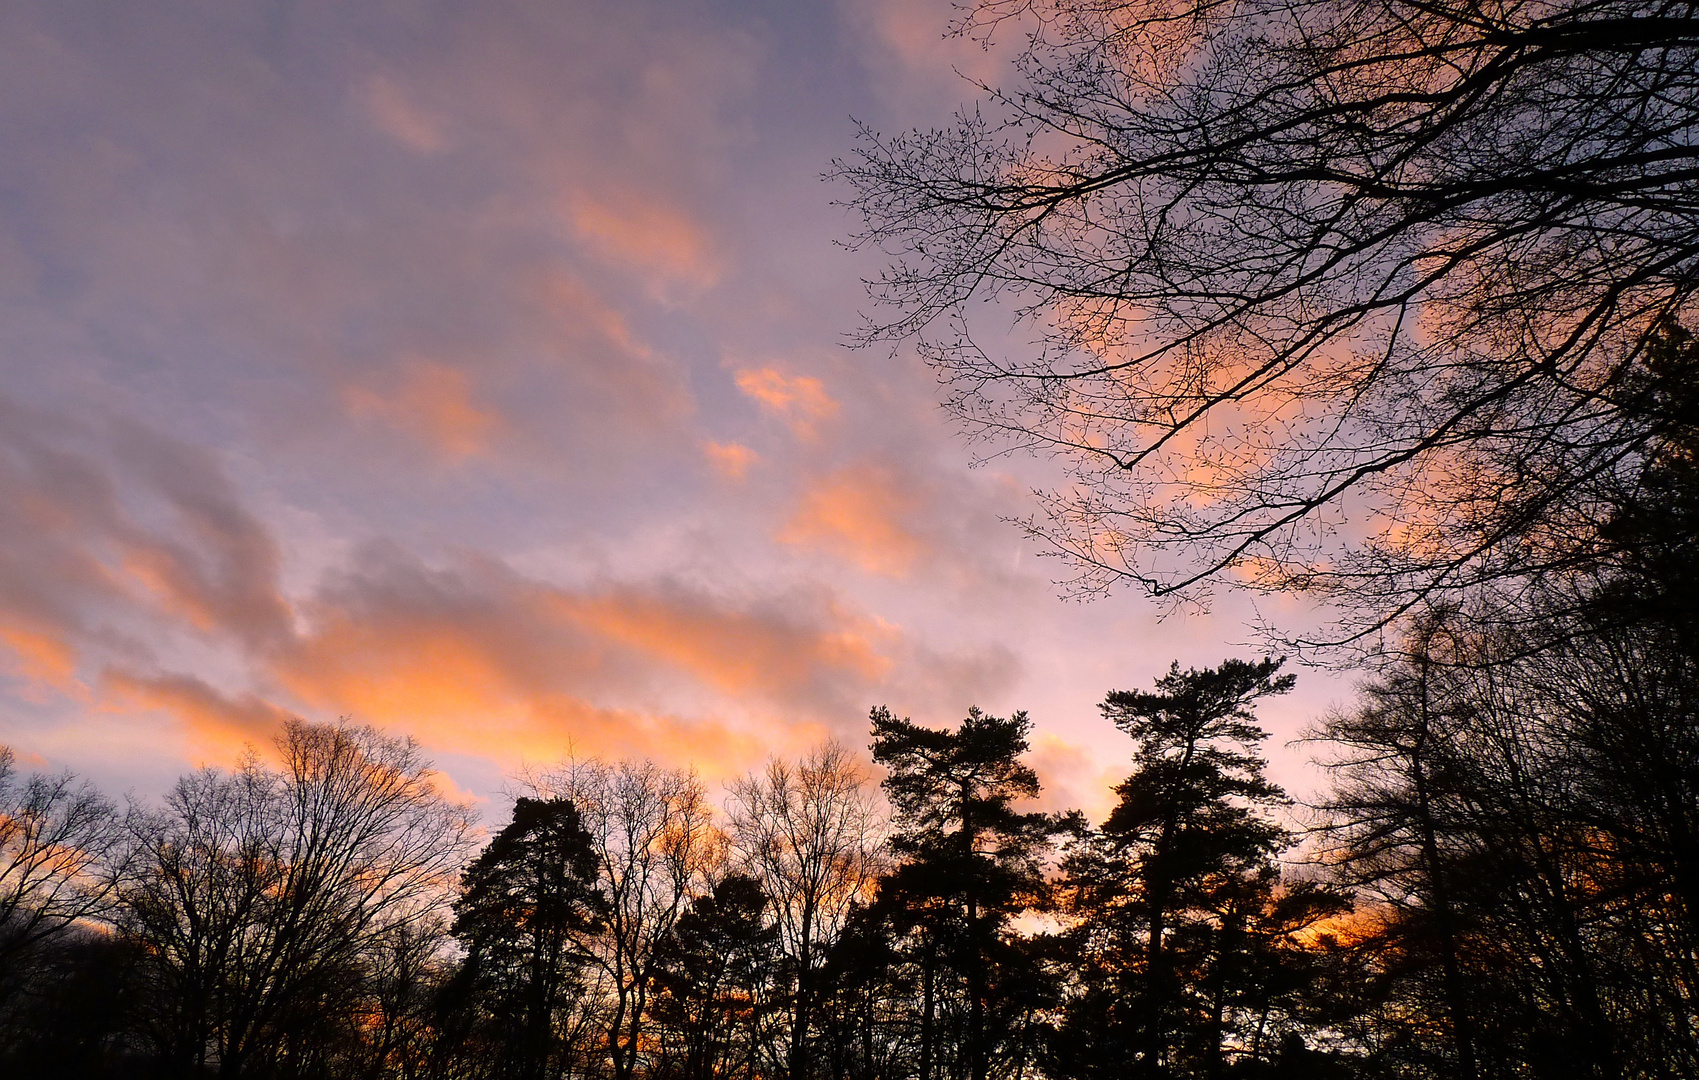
{"x": 406, "y": 972}
{"x": 60, "y": 848}
{"x": 1352, "y": 296}
{"x": 810, "y": 832}
{"x": 655, "y": 846}
{"x": 261, "y": 895}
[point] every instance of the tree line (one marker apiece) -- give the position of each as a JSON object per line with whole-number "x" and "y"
{"x": 1500, "y": 880}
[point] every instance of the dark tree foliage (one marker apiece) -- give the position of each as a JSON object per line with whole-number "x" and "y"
{"x": 1654, "y": 522}
{"x": 716, "y": 973}
{"x": 62, "y": 847}
{"x": 808, "y": 832}
{"x": 525, "y": 902}
{"x": 1506, "y": 885}
{"x": 1184, "y": 938}
{"x": 76, "y": 1010}
{"x": 869, "y": 985}
{"x": 1521, "y": 826}
{"x": 970, "y": 861}
{"x": 258, "y": 897}
{"x": 1296, "y": 266}
{"x": 1517, "y": 799}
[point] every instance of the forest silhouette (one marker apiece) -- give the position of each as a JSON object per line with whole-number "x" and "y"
{"x": 1387, "y": 303}
{"x": 1500, "y": 880}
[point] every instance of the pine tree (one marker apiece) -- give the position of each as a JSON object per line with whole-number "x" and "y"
{"x": 970, "y": 861}
{"x": 525, "y": 902}
{"x": 1177, "y": 903}
{"x": 713, "y": 975}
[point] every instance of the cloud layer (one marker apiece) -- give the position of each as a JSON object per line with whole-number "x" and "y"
{"x": 475, "y": 371}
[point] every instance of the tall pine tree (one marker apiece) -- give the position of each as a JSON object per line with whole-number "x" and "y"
{"x": 525, "y": 902}
{"x": 1176, "y": 903}
{"x": 971, "y": 861}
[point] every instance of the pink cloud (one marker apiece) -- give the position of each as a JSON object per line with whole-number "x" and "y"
{"x": 113, "y": 530}
{"x": 800, "y": 400}
{"x": 395, "y": 114}
{"x": 649, "y": 235}
{"x": 433, "y": 402}
{"x": 216, "y": 724}
{"x": 43, "y": 661}
{"x": 730, "y": 460}
{"x": 860, "y": 514}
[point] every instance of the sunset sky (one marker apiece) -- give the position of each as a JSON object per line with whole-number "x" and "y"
{"x": 477, "y": 371}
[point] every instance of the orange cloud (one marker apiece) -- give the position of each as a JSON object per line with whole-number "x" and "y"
{"x": 468, "y": 654}
{"x": 800, "y": 399}
{"x": 907, "y": 45}
{"x": 620, "y": 379}
{"x": 217, "y": 724}
{"x": 83, "y": 567}
{"x": 480, "y": 658}
{"x": 713, "y": 748}
{"x": 430, "y": 672}
{"x": 859, "y": 514}
{"x": 41, "y": 658}
{"x": 736, "y": 651}
{"x": 395, "y": 115}
{"x": 454, "y": 691}
{"x": 1075, "y": 776}
{"x": 731, "y": 460}
{"x": 432, "y": 401}
{"x": 473, "y": 657}
{"x": 574, "y": 296}
{"x": 649, "y": 236}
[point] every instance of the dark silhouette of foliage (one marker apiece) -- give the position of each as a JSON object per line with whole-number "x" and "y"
{"x": 1519, "y": 822}
{"x": 715, "y": 975}
{"x": 865, "y": 1011}
{"x": 62, "y": 849}
{"x": 526, "y": 901}
{"x": 970, "y": 861}
{"x": 1506, "y": 884}
{"x": 257, "y": 895}
{"x": 1183, "y": 933}
{"x": 809, "y": 832}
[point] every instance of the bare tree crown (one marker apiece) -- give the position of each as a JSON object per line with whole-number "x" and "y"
{"x": 1348, "y": 296}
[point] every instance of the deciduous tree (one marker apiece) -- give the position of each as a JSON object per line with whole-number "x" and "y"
{"x": 809, "y": 833}
{"x": 257, "y": 894}
{"x": 655, "y": 846}
{"x": 1337, "y": 295}
{"x": 61, "y": 851}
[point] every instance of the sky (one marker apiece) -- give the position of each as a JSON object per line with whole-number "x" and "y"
{"x": 479, "y": 372}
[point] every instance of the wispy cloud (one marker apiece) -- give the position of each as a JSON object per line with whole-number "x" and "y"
{"x": 731, "y": 460}
{"x": 375, "y": 363}
{"x": 656, "y": 238}
{"x": 801, "y": 401}
{"x": 860, "y": 514}
{"x": 432, "y": 402}
{"x": 397, "y": 115}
